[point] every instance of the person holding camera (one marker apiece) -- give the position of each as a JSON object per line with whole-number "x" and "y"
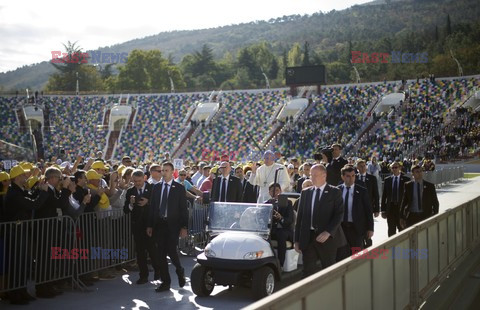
{"x": 136, "y": 204}
{"x": 283, "y": 217}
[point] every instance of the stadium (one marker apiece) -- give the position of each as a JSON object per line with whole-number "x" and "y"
{"x": 97, "y": 164}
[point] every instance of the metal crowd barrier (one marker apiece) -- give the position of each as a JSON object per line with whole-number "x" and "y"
{"x": 35, "y": 250}
{"x": 52, "y": 249}
{"x": 445, "y": 175}
{"x": 197, "y": 237}
{"x": 107, "y": 240}
{"x": 430, "y": 251}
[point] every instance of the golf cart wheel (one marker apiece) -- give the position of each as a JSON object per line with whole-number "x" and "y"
{"x": 263, "y": 282}
{"x": 202, "y": 281}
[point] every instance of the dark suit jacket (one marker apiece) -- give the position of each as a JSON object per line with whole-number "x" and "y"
{"x": 299, "y": 184}
{"x": 250, "y": 193}
{"x": 55, "y": 200}
{"x": 177, "y": 211}
{"x": 334, "y": 176}
{"x": 286, "y": 212}
{"x": 429, "y": 199}
{"x": 18, "y": 206}
{"x": 362, "y": 214}
{"x": 139, "y": 214}
{"x": 234, "y": 189}
{"x": 387, "y": 192}
{"x": 372, "y": 189}
{"x": 326, "y": 217}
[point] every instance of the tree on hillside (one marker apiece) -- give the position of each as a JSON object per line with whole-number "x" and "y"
{"x": 148, "y": 71}
{"x": 73, "y": 67}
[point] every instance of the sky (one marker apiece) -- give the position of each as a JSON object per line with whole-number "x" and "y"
{"x": 31, "y": 29}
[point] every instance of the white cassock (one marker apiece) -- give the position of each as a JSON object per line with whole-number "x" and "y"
{"x": 265, "y": 176}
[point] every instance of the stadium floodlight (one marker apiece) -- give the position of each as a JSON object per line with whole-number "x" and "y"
{"x": 78, "y": 86}
{"x": 356, "y": 72}
{"x": 460, "y": 70}
{"x": 172, "y": 86}
{"x": 267, "y": 82}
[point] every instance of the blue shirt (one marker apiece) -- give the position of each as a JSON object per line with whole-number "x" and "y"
{"x": 186, "y": 184}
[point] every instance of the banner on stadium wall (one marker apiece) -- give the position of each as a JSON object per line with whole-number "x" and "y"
{"x": 7, "y": 164}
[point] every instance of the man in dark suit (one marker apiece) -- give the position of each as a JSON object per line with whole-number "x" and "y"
{"x": 317, "y": 231}
{"x": 250, "y": 192}
{"x": 357, "y": 221}
{"x": 306, "y": 175}
{"x": 167, "y": 220}
{"x": 368, "y": 181}
{"x": 57, "y": 200}
{"x": 392, "y": 195}
{"x": 419, "y": 201}
{"x": 282, "y": 228}
{"x": 338, "y": 162}
{"x": 136, "y": 204}
{"x": 226, "y": 187}
{"x": 19, "y": 207}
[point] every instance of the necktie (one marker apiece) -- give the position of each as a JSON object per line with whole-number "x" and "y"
{"x": 419, "y": 198}
{"x": 163, "y": 204}
{"x": 345, "y": 215}
{"x": 315, "y": 204}
{"x": 363, "y": 178}
{"x": 223, "y": 194}
{"x": 140, "y": 192}
{"x": 395, "y": 189}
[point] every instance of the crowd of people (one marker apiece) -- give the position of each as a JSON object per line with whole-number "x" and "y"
{"x": 157, "y": 196}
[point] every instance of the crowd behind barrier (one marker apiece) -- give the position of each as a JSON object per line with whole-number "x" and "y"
{"x": 70, "y": 249}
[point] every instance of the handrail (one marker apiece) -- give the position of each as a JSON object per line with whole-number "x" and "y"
{"x": 392, "y": 282}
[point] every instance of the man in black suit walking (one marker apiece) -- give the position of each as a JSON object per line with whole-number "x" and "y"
{"x": 392, "y": 195}
{"x": 317, "y": 231}
{"x": 368, "y": 181}
{"x": 136, "y": 204}
{"x": 334, "y": 175}
{"x": 167, "y": 220}
{"x": 419, "y": 201}
{"x": 357, "y": 221}
{"x": 226, "y": 187}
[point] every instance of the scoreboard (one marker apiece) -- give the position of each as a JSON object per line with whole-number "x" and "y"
{"x": 305, "y": 75}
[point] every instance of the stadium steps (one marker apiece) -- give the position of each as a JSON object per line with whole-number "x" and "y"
{"x": 112, "y": 139}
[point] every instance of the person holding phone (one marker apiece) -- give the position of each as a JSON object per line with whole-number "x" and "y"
{"x": 282, "y": 224}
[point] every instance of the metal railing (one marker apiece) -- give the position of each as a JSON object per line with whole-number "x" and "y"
{"x": 430, "y": 250}
{"x": 58, "y": 248}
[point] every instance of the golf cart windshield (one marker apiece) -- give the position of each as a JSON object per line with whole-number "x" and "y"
{"x": 228, "y": 216}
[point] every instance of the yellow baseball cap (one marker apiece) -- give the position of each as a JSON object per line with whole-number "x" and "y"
{"x": 120, "y": 170}
{"x": 99, "y": 165}
{"x": 214, "y": 169}
{"x": 93, "y": 175}
{"x": 27, "y": 166}
{"x": 4, "y": 176}
{"x": 16, "y": 171}
{"x": 31, "y": 181}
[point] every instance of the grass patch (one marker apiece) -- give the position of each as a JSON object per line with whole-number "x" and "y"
{"x": 471, "y": 175}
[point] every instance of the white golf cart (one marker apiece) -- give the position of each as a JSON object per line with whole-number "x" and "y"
{"x": 239, "y": 251}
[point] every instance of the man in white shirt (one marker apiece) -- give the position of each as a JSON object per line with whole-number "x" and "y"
{"x": 265, "y": 175}
{"x": 198, "y": 174}
{"x": 155, "y": 174}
